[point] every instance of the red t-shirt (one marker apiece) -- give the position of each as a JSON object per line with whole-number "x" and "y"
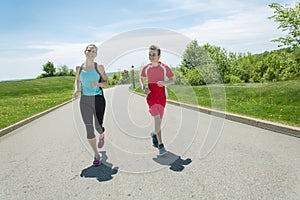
{"x": 155, "y": 74}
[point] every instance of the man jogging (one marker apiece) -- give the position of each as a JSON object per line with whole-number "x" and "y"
{"x": 157, "y": 74}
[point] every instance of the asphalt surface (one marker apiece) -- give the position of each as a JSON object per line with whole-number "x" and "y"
{"x": 208, "y": 157}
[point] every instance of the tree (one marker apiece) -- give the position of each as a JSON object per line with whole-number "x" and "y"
{"x": 219, "y": 57}
{"x": 49, "y": 68}
{"x": 114, "y": 80}
{"x": 179, "y": 78}
{"x": 194, "y": 77}
{"x": 63, "y": 70}
{"x": 125, "y": 78}
{"x": 72, "y": 72}
{"x": 289, "y": 20}
{"x": 194, "y": 56}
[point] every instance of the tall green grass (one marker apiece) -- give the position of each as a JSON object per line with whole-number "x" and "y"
{"x": 22, "y": 99}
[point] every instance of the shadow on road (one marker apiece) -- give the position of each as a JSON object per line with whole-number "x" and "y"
{"x": 175, "y": 161}
{"x": 102, "y": 172}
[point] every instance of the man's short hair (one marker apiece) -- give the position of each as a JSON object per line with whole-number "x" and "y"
{"x": 155, "y": 48}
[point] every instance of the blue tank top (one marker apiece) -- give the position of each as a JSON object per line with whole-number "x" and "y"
{"x": 86, "y": 78}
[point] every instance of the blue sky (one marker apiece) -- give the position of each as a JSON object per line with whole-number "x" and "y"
{"x": 36, "y": 31}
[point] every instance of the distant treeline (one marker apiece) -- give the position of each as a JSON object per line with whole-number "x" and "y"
{"x": 63, "y": 70}
{"x": 50, "y": 70}
{"x": 209, "y": 64}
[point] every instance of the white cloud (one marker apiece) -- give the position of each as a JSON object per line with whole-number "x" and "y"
{"x": 62, "y": 53}
{"x": 240, "y": 32}
{"x": 31, "y": 66}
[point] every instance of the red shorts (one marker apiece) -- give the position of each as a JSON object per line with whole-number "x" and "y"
{"x": 157, "y": 106}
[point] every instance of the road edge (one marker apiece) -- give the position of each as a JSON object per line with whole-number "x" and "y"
{"x": 19, "y": 124}
{"x": 272, "y": 126}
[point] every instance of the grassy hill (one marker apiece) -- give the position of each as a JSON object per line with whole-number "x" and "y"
{"x": 22, "y": 99}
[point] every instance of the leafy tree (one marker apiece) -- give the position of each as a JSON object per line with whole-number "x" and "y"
{"x": 125, "y": 78}
{"x": 194, "y": 56}
{"x": 277, "y": 65}
{"x": 114, "y": 79}
{"x": 289, "y": 67}
{"x": 49, "y": 68}
{"x": 219, "y": 57}
{"x": 194, "y": 77}
{"x": 179, "y": 78}
{"x": 289, "y": 21}
{"x": 63, "y": 70}
{"x": 72, "y": 72}
{"x": 210, "y": 74}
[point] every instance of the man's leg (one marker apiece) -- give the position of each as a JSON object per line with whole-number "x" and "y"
{"x": 157, "y": 122}
{"x": 157, "y": 128}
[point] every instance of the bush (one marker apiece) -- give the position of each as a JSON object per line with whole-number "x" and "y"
{"x": 114, "y": 79}
{"x": 194, "y": 77}
{"x": 43, "y": 75}
{"x": 211, "y": 74}
{"x": 179, "y": 78}
{"x": 235, "y": 79}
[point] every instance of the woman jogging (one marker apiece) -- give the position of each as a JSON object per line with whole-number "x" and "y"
{"x": 91, "y": 77}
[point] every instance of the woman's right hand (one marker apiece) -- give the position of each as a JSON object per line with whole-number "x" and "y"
{"x": 75, "y": 94}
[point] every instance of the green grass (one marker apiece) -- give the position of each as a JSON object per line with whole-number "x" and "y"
{"x": 22, "y": 99}
{"x": 276, "y": 102}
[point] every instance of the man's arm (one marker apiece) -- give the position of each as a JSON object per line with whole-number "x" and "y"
{"x": 170, "y": 81}
{"x": 142, "y": 82}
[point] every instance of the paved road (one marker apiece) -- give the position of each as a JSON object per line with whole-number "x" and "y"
{"x": 50, "y": 159}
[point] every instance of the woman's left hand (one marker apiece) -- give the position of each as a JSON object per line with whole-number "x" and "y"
{"x": 95, "y": 84}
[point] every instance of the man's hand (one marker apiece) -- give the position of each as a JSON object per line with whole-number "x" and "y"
{"x": 146, "y": 91}
{"x": 161, "y": 83}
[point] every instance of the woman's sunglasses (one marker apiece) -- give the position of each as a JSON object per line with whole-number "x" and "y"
{"x": 89, "y": 50}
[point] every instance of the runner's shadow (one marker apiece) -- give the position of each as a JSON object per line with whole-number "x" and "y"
{"x": 102, "y": 172}
{"x": 175, "y": 161}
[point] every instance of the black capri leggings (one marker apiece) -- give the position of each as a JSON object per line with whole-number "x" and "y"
{"x": 92, "y": 107}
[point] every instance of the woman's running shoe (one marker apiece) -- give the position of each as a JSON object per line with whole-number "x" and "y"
{"x": 97, "y": 160}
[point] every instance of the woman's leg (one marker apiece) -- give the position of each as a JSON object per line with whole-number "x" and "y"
{"x": 86, "y": 109}
{"x": 100, "y": 105}
{"x": 99, "y": 114}
{"x": 93, "y": 144}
